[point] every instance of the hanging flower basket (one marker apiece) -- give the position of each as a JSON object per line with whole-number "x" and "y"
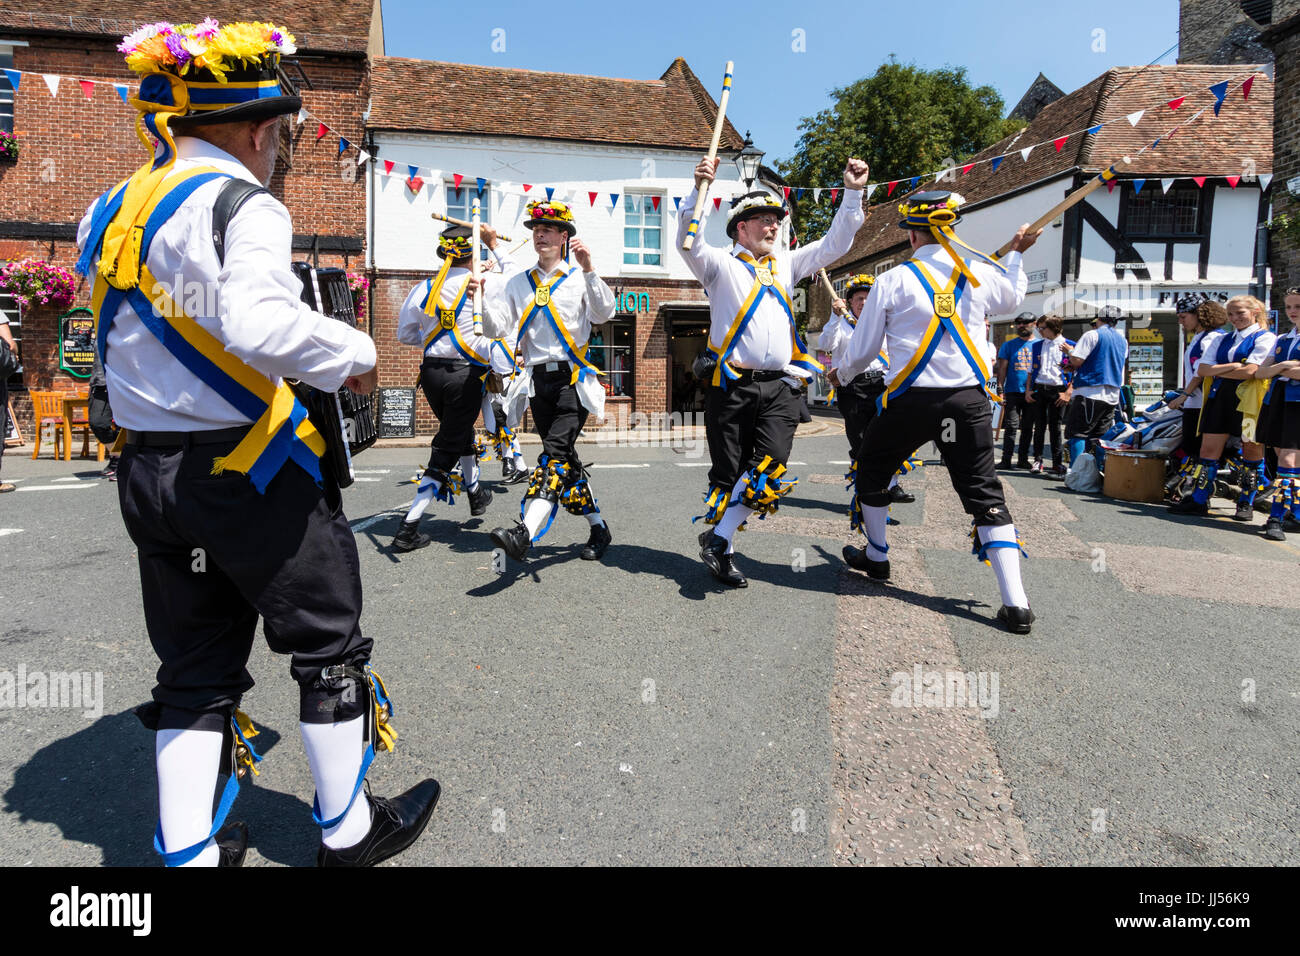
{"x": 360, "y": 286}
{"x": 34, "y": 283}
{"x": 8, "y": 147}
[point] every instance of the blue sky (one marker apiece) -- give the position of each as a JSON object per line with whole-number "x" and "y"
{"x": 1002, "y": 46}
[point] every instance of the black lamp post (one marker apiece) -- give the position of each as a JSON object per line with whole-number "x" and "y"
{"x": 748, "y": 161}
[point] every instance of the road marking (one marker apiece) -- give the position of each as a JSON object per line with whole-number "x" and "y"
{"x": 618, "y": 466}
{"x": 375, "y": 471}
{"x": 834, "y": 462}
{"x": 5, "y": 531}
{"x": 58, "y": 487}
{"x": 367, "y": 479}
{"x": 796, "y": 462}
{"x": 363, "y": 523}
{"x": 73, "y": 478}
{"x": 693, "y": 464}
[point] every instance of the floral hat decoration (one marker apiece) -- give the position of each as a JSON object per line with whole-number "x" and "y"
{"x": 859, "y": 282}
{"x": 456, "y": 242}
{"x": 551, "y": 213}
{"x": 750, "y": 205}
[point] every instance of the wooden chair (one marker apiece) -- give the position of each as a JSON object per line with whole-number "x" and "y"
{"x": 81, "y": 422}
{"x": 47, "y": 410}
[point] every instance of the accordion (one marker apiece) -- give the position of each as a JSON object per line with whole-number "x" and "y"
{"x": 345, "y": 419}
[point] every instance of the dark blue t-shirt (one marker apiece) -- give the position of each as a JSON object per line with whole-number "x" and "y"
{"x": 1019, "y": 358}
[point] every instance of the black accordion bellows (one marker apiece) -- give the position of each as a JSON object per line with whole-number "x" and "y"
{"x": 345, "y": 419}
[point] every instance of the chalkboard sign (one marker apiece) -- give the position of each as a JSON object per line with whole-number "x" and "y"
{"x": 397, "y": 413}
{"x": 77, "y": 342}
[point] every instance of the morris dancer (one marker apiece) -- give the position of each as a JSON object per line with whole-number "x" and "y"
{"x": 1279, "y": 422}
{"x": 930, "y": 311}
{"x": 752, "y": 399}
{"x": 552, "y": 309}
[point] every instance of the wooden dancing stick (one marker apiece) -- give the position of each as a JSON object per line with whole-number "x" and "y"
{"x": 476, "y": 219}
{"x": 831, "y": 289}
{"x": 700, "y": 199}
{"x": 461, "y": 222}
{"x": 1074, "y": 198}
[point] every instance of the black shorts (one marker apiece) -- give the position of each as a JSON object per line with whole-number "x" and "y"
{"x": 1220, "y": 415}
{"x": 1279, "y": 420}
{"x": 1088, "y": 418}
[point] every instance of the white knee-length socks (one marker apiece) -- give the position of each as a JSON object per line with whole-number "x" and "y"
{"x": 188, "y": 763}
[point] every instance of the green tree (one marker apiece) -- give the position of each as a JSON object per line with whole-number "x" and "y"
{"x": 903, "y": 121}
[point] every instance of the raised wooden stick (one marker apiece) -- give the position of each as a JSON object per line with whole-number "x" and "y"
{"x": 1087, "y": 189}
{"x": 476, "y": 219}
{"x": 831, "y": 289}
{"x": 461, "y": 222}
{"x": 700, "y": 199}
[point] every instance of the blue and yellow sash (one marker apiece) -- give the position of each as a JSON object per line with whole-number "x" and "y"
{"x": 121, "y": 233}
{"x": 765, "y": 282}
{"x": 449, "y": 319}
{"x": 945, "y": 320}
{"x": 542, "y": 303}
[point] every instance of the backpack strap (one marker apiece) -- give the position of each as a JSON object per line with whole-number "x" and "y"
{"x": 233, "y": 195}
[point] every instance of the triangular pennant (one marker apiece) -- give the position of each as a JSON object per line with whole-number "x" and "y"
{"x": 967, "y": 168}
{"x": 1024, "y": 153}
{"x": 1245, "y": 87}
{"x": 123, "y": 92}
{"x": 1220, "y": 91}
{"x": 613, "y": 199}
{"x": 480, "y": 183}
{"x": 798, "y": 193}
{"x": 413, "y": 170}
{"x": 415, "y": 184}
{"x": 363, "y": 157}
{"x": 1135, "y": 118}
{"x": 1092, "y": 130}
{"x": 14, "y": 76}
{"x": 817, "y": 195}
{"x": 592, "y": 197}
{"x": 87, "y": 87}
{"x": 1110, "y": 186}
{"x": 1233, "y": 180}
{"x": 1199, "y": 180}
{"x": 717, "y": 203}
{"x": 457, "y": 177}
{"x": 527, "y": 186}
{"x": 997, "y": 161}
{"x": 1059, "y": 142}
{"x": 321, "y": 131}
{"x": 915, "y": 181}
{"x": 786, "y": 191}
{"x": 1155, "y": 144}
{"x": 677, "y": 204}
{"x": 302, "y": 115}
{"x": 1264, "y": 180}
{"x": 892, "y": 187}
{"x": 550, "y": 191}
{"x": 654, "y": 201}
{"x": 1174, "y": 104}
{"x": 52, "y": 81}
{"x": 835, "y": 195}
{"x": 388, "y": 167}
{"x": 343, "y": 145}
{"x": 1165, "y": 184}
{"x": 1137, "y": 186}
{"x": 871, "y": 188}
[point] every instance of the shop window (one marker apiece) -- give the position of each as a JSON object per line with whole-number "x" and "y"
{"x": 642, "y": 230}
{"x": 611, "y": 349}
{"x": 1158, "y": 215}
{"x": 460, "y": 205}
{"x": 6, "y": 91}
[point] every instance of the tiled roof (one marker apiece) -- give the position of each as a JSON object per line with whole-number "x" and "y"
{"x": 431, "y": 97}
{"x": 338, "y": 26}
{"x": 1213, "y": 146}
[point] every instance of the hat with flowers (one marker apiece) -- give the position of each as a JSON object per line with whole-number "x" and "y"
{"x": 552, "y": 214}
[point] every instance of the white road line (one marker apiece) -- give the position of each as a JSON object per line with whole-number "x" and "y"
{"x": 693, "y": 464}
{"x": 368, "y": 479}
{"x": 364, "y": 523}
{"x": 618, "y": 466}
{"x": 75, "y": 478}
{"x": 58, "y": 487}
{"x": 834, "y": 462}
{"x": 375, "y": 471}
{"x": 796, "y": 462}
{"x": 5, "y": 531}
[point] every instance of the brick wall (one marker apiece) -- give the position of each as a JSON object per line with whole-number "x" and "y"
{"x": 1285, "y": 253}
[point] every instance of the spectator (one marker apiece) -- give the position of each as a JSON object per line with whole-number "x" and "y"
{"x": 1012, "y": 371}
{"x": 1279, "y": 422}
{"x": 7, "y": 337}
{"x": 1049, "y": 392}
{"x": 1098, "y": 362}
{"x": 1199, "y": 316}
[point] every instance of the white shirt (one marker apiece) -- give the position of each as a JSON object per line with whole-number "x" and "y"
{"x": 899, "y": 310}
{"x": 1102, "y": 393}
{"x": 1189, "y": 367}
{"x": 251, "y": 304}
{"x": 1050, "y": 371}
{"x": 414, "y": 325}
{"x": 835, "y": 337}
{"x": 1263, "y": 345}
{"x": 583, "y": 300}
{"x": 765, "y": 343}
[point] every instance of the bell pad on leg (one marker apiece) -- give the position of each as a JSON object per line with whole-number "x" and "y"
{"x": 763, "y": 487}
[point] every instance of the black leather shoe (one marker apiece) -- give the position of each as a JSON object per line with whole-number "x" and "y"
{"x": 1016, "y": 619}
{"x": 1189, "y": 506}
{"x": 394, "y": 825}
{"x": 597, "y": 542}
{"x": 232, "y": 844}
{"x": 1289, "y": 523}
{"x": 409, "y": 537}
{"x": 1273, "y": 530}
{"x": 1005, "y": 464}
{"x": 1023, "y": 463}
{"x": 1244, "y": 512}
{"x": 521, "y": 474}
{"x": 507, "y": 470}
{"x": 899, "y": 496}
{"x": 713, "y": 551}
{"x": 857, "y": 558}
{"x": 513, "y": 541}
{"x": 479, "y": 501}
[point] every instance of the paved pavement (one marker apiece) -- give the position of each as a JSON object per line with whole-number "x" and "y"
{"x": 634, "y": 711}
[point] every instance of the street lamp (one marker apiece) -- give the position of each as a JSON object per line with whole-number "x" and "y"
{"x": 748, "y": 160}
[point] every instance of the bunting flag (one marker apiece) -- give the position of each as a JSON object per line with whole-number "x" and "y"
{"x": 362, "y": 158}
{"x": 343, "y": 145}
{"x": 1059, "y": 142}
{"x": 479, "y": 183}
{"x": 677, "y": 204}
{"x": 613, "y": 197}
{"x": 14, "y": 78}
{"x": 527, "y": 187}
{"x": 302, "y": 115}
{"x": 457, "y": 177}
{"x": 1095, "y": 129}
{"x": 1165, "y": 184}
{"x": 892, "y": 187}
{"x": 1156, "y": 143}
{"x": 654, "y": 201}
{"x": 591, "y": 198}
{"x": 717, "y": 203}
{"x": 388, "y": 167}
{"x": 1110, "y": 185}
{"x": 871, "y": 188}
{"x": 1135, "y": 118}
{"x": 415, "y": 184}
{"x": 916, "y": 181}
{"x": 997, "y": 161}
{"x": 817, "y": 195}
{"x": 1137, "y": 186}
{"x": 1264, "y": 180}
{"x": 88, "y": 88}
{"x": 52, "y": 81}
{"x": 1233, "y": 180}
{"x": 1199, "y": 180}
{"x": 1174, "y": 104}
{"x": 123, "y": 92}
{"x": 413, "y": 171}
{"x": 798, "y": 193}
{"x": 1024, "y": 153}
{"x": 967, "y": 168}
{"x": 550, "y": 191}
{"x": 1220, "y": 91}
{"x": 321, "y": 131}
{"x": 1245, "y": 87}
{"x": 786, "y": 190}
{"x": 835, "y": 195}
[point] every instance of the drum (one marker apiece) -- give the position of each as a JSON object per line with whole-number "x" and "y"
{"x": 1135, "y": 475}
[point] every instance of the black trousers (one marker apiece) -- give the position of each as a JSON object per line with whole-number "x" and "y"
{"x": 558, "y": 413}
{"x": 215, "y": 555}
{"x": 1191, "y": 440}
{"x": 960, "y": 422}
{"x": 454, "y": 391}
{"x": 1088, "y": 418}
{"x": 857, "y": 403}
{"x": 1014, "y": 408}
{"x": 746, "y": 423}
{"x": 1044, "y": 418}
